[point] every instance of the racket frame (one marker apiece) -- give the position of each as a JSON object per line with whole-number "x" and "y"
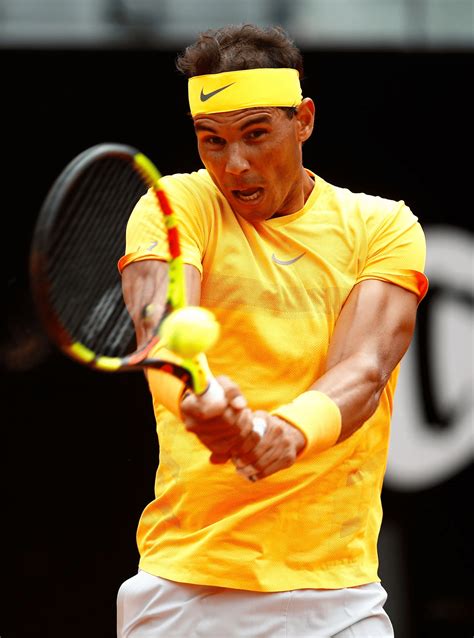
{"x": 193, "y": 372}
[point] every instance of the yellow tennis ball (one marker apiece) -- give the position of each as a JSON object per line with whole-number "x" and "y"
{"x": 189, "y": 331}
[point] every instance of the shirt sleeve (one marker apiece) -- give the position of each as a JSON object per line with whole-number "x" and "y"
{"x": 396, "y": 250}
{"x": 146, "y": 236}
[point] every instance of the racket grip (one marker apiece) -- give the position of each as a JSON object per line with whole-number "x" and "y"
{"x": 207, "y": 385}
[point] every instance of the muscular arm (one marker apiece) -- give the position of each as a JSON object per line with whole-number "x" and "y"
{"x": 219, "y": 426}
{"x": 372, "y": 334}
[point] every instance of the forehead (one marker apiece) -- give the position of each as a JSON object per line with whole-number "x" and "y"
{"x": 242, "y": 117}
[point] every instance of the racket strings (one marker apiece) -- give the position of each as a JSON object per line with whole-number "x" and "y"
{"x": 98, "y": 246}
{"x": 78, "y": 199}
{"x": 86, "y": 286}
{"x": 117, "y": 335}
{"x": 78, "y": 226}
{"x": 87, "y": 201}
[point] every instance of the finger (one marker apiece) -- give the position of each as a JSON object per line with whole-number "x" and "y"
{"x": 192, "y": 406}
{"x": 219, "y": 458}
{"x": 229, "y": 423}
{"x": 275, "y": 460}
{"x": 255, "y": 444}
{"x": 249, "y": 452}
{"x": 248, "y": 472}
{"x": 276, "y": 466}
{"x": 265, "y": 457}
{"x": 243, "y": 421}
{"x": 219, "y": 433}
{"x": 224, "y": 437}
{"x": 232, "y": 393}
{"x": 249, "y": 469}
{"x": 258, "y": 463}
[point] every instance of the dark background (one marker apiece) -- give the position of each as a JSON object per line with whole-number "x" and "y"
{"x": 78, "y": 449}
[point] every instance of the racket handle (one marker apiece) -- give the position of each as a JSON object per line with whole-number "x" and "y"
{"x": 206, "y": 385}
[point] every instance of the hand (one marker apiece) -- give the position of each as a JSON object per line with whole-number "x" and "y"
{"x": 276, "y": 450}
{"x": 223, "y": 426}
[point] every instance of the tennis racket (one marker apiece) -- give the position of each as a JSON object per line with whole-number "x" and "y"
{"x": 77, "y": 241}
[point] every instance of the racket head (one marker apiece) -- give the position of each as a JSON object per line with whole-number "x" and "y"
{"x": 77, "y": 242}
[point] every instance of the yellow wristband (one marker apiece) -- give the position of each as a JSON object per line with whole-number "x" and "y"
{"x": 316, "y": 416}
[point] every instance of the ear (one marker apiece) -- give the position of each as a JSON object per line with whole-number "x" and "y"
{"x": 305, "y": 118}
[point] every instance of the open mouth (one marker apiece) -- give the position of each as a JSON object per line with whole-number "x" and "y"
{"x": 248, "y": 194}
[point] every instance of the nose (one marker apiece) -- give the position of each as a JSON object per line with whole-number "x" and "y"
{"x": 236, "y": 162}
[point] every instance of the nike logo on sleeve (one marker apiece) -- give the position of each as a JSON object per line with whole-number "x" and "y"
{"x": 207, "y": 96}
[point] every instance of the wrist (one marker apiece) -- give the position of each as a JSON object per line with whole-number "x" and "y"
{"x": 295, "y": 434}
{"x": 316, "y": 417}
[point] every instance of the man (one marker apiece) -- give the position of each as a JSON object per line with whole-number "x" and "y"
{"x": 316, "y": 290}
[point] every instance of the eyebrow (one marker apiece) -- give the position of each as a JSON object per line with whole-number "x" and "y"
{"x": 258, "y": 119}
{"x": 203, "y": 127}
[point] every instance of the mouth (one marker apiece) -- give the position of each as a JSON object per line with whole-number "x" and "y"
{"x": 248, "y": 195}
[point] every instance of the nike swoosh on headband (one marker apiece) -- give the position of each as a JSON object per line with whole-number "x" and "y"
{"x": 281, "y": 262}
{"x": 207, "y": 96}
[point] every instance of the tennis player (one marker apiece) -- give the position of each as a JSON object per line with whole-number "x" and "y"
{"x": 316, "y": 289}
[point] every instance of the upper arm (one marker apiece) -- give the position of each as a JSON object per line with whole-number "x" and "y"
{"x": 145, "y": 282}
{"x": 375, "y": 325}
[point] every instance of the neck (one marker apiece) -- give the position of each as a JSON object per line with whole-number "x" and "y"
{"x": 308, "y": 185}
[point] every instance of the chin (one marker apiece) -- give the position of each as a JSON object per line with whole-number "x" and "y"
{"x": 255, "y": 215}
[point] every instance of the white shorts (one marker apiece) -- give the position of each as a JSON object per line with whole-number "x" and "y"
{"x": 152, "y": 607}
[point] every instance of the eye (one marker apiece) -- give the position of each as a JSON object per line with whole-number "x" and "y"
{"x": 256, "y": 134}
{"x": 214, "y": 140}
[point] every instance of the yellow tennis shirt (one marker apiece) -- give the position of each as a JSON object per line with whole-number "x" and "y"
{"x": 277, "y": 288}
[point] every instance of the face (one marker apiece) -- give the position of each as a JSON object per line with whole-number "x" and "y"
{"x": 254, "y": 157}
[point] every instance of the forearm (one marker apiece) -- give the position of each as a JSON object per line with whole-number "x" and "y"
{"x": 355, "y": 385}
{"x": 145, "y": 285}
{"x": 365, "y": 348}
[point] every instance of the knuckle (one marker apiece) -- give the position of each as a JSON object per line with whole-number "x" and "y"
{"x": 289, "y": 459}
{"x": 278, "y": 429}
{"x": 287, "y": 446}
{"x": 226, "y": 383}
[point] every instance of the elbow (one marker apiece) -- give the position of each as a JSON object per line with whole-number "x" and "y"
{"x": 372, "y": 371}
{"x": 375, "y": 378}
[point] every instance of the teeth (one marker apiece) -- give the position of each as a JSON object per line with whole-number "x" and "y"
{"x": 250, "y": 197}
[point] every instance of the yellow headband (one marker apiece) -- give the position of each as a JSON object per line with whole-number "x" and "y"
{"x": 234, "y": 90}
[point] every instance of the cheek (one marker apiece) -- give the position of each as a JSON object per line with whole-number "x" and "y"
{"x": 211, "y": 163}
{"x": 285, "y": 157}
{"x": 270, "y": 160}
{"x": 202, "y": 154}
{"x": 285, "y": 148}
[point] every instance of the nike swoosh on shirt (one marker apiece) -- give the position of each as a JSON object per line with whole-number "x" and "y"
{"x": 207, "y": 96}
{"x": 282, "y": 262}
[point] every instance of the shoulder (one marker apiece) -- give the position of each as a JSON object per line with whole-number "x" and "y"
{"x": 370, "y": 210}
{"x": 197, "y": 183}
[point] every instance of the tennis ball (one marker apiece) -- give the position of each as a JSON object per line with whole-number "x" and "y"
{"x": 189, "y": 331}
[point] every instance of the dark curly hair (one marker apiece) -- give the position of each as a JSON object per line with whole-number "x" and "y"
{"x": 238, "y": 47}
